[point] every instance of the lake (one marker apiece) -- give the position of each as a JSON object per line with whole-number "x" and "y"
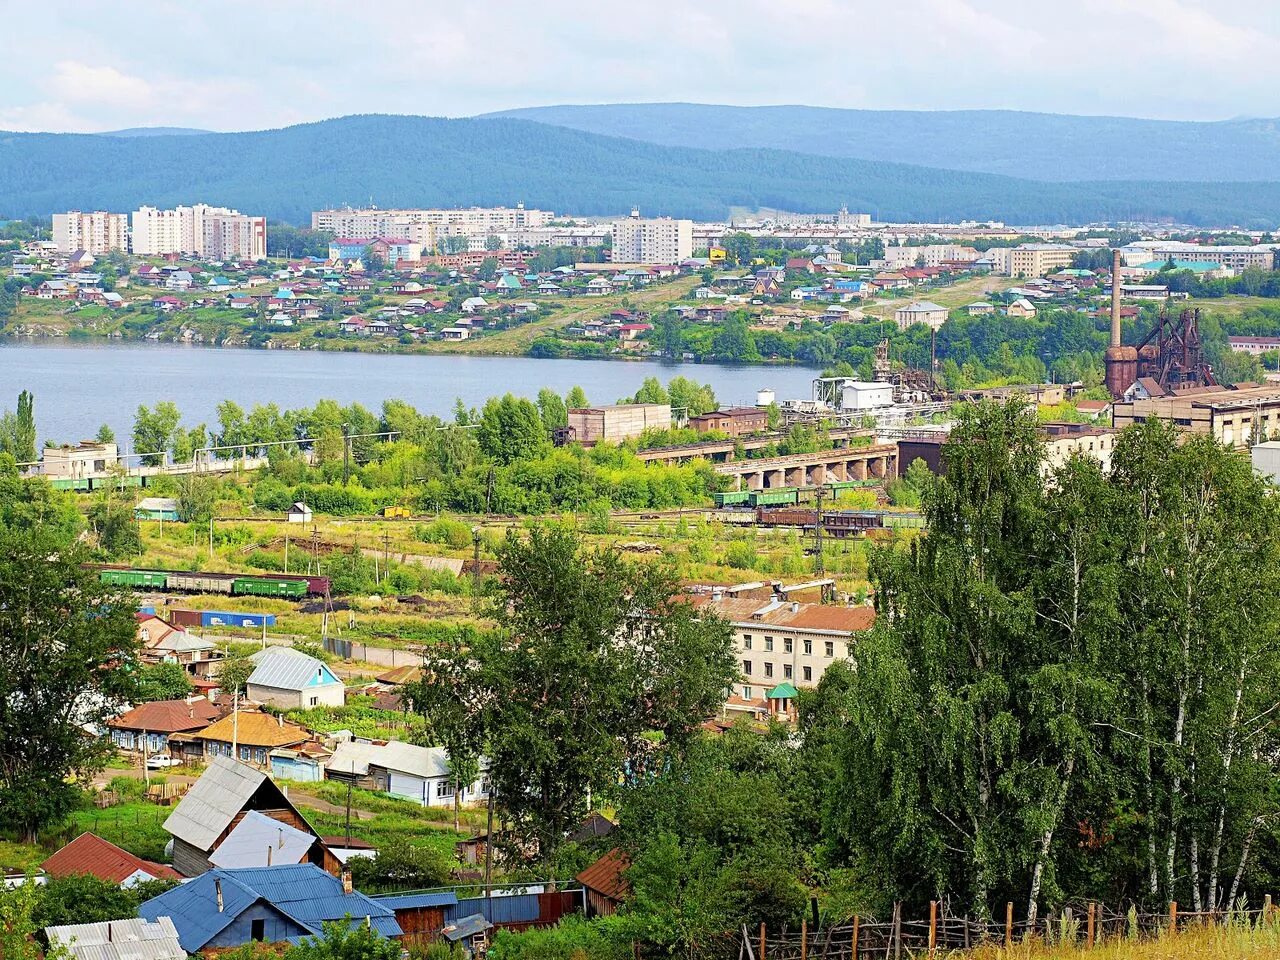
{"x": 79, "y": 386}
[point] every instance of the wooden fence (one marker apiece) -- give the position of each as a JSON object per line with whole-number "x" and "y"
{"x": 940, "y": 931}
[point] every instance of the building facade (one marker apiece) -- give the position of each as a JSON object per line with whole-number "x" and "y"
{"x": 216, "y": 232}
{"x": 734, "y": 422}
{"x": 661, "y": 240}
{"x": 922, "y": 311}
{"x": 1039, "y": 259}
{"x": 1238, "y": 418}
{"x": 234, "y": 237}
{"x": 98, "y": 232}
{"x": 427, "y": 227}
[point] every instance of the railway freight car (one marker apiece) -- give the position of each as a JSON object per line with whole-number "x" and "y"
{"x": 268, "y": 587}
{"x": 138, "y": 579}
{"x": 197, "y": 582}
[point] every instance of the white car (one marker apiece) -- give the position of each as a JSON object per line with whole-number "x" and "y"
{"x": 161, "y": 762}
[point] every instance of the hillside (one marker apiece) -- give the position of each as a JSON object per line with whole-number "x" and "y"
{"x": 427, "y": 161}
{"x": 1041, "y": 146}
{"x": 153, "y": 132}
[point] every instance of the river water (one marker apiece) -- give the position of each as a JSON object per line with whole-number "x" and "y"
{"x": 79, "y": 386}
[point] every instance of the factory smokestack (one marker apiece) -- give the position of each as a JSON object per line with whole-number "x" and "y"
{"x": 1115, "y": 298}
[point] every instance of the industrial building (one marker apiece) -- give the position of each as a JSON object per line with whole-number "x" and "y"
{"x": 1238, "y": 417}
{"x": 88, "y": 458}
{"x": 623, "y": 421}
{"x": 734, "y": 422}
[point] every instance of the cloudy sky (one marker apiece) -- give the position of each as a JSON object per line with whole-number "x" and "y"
{"x": 234, "y": 65}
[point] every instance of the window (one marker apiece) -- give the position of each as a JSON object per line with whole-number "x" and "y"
{"x": 314, "y": 701}
{"x": 808, "y": 646}
{"x": 788, "y": 645}
{"x": 258, "y": 929}
{"x": 786, "y": 671}
{"x": 746, "y": 693}
{"x": 746, "y": 667}
{"x": 444, "y": 788}
{"x": 808, "y": 674}
{"x": 746, "y": 641}
{"x": 768, "y": 669}
{"x": 830, "y": 649}
{"x": 768, "y": 643}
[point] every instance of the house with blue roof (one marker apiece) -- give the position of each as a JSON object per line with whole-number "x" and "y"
{"x": 231, "y": 907}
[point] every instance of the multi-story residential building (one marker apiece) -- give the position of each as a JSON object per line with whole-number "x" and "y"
{"x": 929, "y": 255}
{"x": 234, "y": 236}
{"x": 200, "y": 229}
{"x": 1039, "y": 259}
{"x": 98, "y": 232}
{"x": 661, "y": 240}
{"x": 782, "y": 645}
{"x": 1235, "y": 257}
{"x": 920, "y": 311}
{"x": 428, "y": 226}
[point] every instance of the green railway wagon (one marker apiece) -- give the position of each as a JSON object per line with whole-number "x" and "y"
{"x": 148, "y": 579}
{"x": 851, "y": 484}
{"x": 904, "y": 520}
{"x": 70, "y": 483}
{"x": 782, "y": 496}
{"x": 264, "y": 587}
{"x": 732, "y": 498}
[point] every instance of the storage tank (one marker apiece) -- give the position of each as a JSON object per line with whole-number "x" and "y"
{"x": 764, "y": 397}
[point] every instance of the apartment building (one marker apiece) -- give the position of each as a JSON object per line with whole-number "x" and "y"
{"x": 97, "y": 232}
{"x": 1039, "y": 259}
{"x": 1234, "y": 257}
{"x": 428, "y": 226}
{"x": 782, "y": 645}
{"x": 200, "y": 229}
{"x": 929, "y": 255}
{"x": 660, "y": 240}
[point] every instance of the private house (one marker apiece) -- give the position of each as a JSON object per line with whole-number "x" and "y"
{"x": 455, "y": 333}
{"x": 55, "y": 290}
{"x": 90, "y": 854}
{"x": 299, "y": 513}
{"x": 131, "y": 939}
{"x": 147, "y": 727}
{"x": 599, "y": 287}
{"x": 474, "y": 305}
{"x": 604, "y": 884}
{"x": 215, "y": 805}
{"x": 254, "y": 734}
{"x": 921, "y": 311}
{"x": 162, "y": 642}
{"x": 980, "y": 309}
{"x": 357, "y": 326}
{"x": 156, "y": 508}
{"x": 1022, "y": 307}
{"x": 167, "y": 304}
{"x": 231, "y": 907}
{"x": 179, "y": 280}
{"x": 403, "y": 770}
{"x": 287, "y": 679}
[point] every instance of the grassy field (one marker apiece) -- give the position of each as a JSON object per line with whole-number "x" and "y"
{"x": 1245, "y": 942}
{"x": 951, "y": 296}
{"x": 1228, "y": 306}
{"x": 386, "y": 821}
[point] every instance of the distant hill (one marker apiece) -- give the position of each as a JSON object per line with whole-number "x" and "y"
{"x": 1040, "y": 146}
{"x": 154, "y": 132}
{"x": 426, "y": 161}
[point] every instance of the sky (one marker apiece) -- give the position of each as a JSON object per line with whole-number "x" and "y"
{"x": 233, "y": 65}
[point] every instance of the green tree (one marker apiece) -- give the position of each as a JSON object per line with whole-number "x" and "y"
{"x": 488, "y": 269}
{"x": 690, "y": 397}
{"x": 591, "y": 656}
{"x": 105, "y": 434}
{"x": 153, "y": 431}
{"x": 651, "y": 391}
{"x": 62, "y": 635}
{"x": 511, "y": 429}
{"x": 401, "y": 867}
{"x": 575, "y": 399}
{"x": 234, "y": 673}
{"x": 84, "y": 898}
{"x": 197, "y": 497}
{"x": 163, "y": 681}
{"x": 18, "y": 431}
{"x": 19, "y": 924}
{"x": 344, "y": 940}
{"x": 552, "y": 409}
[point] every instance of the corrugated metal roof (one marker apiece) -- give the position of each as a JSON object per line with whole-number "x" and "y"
{"x": 605, "y": 876}
{"x": 213, "y": 801}
{"x": 287, "y": 670}
{"x": 301, "y": 892}
{"x": 89, "y": 853}
{"x": 120, "y": 940}
{"x": 411, "y": 901}
{"x": 401, "y": 757}
{"x": 258, "y": 837}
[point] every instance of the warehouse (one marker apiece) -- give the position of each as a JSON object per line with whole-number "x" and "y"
{"x": 623, "y": 421}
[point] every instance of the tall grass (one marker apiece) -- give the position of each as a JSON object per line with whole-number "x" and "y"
{"x": 1231, "y": 940}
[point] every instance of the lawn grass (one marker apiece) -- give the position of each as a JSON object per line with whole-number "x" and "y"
{"x": 387, "y": 821}
{"x": 1218, "y": 942}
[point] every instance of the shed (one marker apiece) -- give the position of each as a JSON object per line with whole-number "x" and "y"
{"x": 471, "y": 932}
{"x": 130, "y": 939}
{"x": 156, "y": 508}
{"x": 262, "y": 841}
{"x": 605, "y": 884}
{"x": 299, "y": 513}
{"x": 422, "y": 916}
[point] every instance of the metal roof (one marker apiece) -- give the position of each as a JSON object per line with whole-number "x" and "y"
{"x": 288, "y": 670}
{"x": 301, "y": 892}
{"x": 355, "y": 758}
{"x": 467, "y": 927}
{"x": 411, "y": 901}
{"x": 120, "y": 940}
{"x": 89, "y": 853}
{"x": 213, "y": 802}
{"x": 260, "y": 841}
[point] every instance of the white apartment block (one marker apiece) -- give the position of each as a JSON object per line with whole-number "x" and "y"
{"x": 1030, "y": 260}
{"x": 216, "y": 232}
{"x": 425, "y": 226}
{"x": 97, "y": 233}
{"x": 659, "y": 241}
{"x": 1235, "y": 257}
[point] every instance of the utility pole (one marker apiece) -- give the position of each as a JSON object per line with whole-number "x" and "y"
{"x": 475, "y": 564}
{"x": 819, "y": 567}
{"x": 386, "y": 554}
{"x": 210, "y": 537}
{"x": 346, "y": 454}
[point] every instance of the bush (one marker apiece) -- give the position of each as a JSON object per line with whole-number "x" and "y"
{"x": 741, "y": 555}
{"x": 572, "y": 939}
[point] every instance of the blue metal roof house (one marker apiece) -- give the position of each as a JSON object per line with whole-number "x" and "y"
{"x": 227, "y": 908}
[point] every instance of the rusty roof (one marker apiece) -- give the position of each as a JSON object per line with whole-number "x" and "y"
{"x": 746, "y": 611}
{"x": 168, "y": 716}
{"x": 605, "y": 876}
{"x": 408, "y": 674}
{"x": 255, "y": 729}
{"x": 89, "y": 853}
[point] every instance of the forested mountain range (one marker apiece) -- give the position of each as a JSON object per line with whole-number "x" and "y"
{"x": 1040, "y": 146}
{"x": 398, "y": 160}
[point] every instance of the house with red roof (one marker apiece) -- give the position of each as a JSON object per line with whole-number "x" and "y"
{"x": 147, "y": 727}
{"x": 88, "y": 854}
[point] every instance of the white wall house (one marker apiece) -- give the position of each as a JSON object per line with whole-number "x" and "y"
{"x": 285, "y": 678}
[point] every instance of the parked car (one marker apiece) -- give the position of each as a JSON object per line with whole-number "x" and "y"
{"x": 161, "y": 762}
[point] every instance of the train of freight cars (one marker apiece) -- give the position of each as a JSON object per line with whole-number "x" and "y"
{"x": 835, "y": 523}
{"x": 783, "y": 496}
{"x": 191, "y": 581}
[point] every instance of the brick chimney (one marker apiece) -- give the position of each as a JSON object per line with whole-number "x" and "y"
{"x": 346, "y": 882}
